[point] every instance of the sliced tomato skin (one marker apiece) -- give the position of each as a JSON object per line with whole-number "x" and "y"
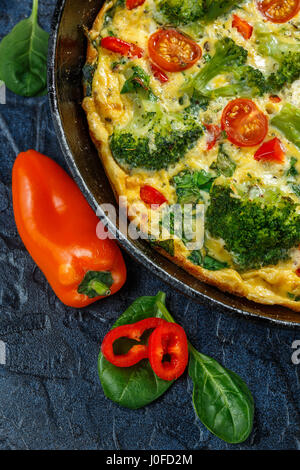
{"x": 168, "y": 339}
{"x": 214, "y": 134}
{"x": 119, "y": 46}
{"x": 131, "y": 4}
{"x": 271, "y": 151}
{"x": 178, "y": 62}
{"x": 152, "y": 196}
{"x": 243, "y": 27}
{"x": 238, "y": 120}
{"x": 270, "y": 9}
{"x": 298, "y": 272}
{"x": 159, "y": 74}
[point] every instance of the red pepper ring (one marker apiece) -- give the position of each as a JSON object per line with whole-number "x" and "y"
{"x": 135, "y": 332}
{"x": 168, "y": 351}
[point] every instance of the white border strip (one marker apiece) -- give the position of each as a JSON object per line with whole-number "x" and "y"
{"x": 2, "y": 353}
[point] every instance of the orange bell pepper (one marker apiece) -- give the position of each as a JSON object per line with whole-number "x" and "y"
{"x": 58, "y": 228}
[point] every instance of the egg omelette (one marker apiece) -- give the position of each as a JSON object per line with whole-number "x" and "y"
{"x": 194, "y": 109}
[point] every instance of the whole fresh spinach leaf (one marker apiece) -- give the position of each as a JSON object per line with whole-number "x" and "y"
{"x": 23, "y": 57}
{"x": 221, "y": 398}
{"x": 137, "y": 386}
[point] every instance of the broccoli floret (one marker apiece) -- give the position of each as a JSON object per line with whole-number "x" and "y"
{"x": 155, "y": 140}
{"x": 181, "y": 11}
{"x": 258, "y": 232}
{"x": 229, "y": 59}
{"x": 285, "y": 53}
{"x": 244, "y": 81}
{"x": 287, "y": 73}
{"x": 288, "y": 122}
{"x": 216, "y": 8}
{"x": 227, "y": 55}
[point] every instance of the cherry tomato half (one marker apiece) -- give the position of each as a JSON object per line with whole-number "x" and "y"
{"x": 244, "y": 28}
{"x": 278, "y": 11}
{"x": 172, "y": 51}
{"x": 152, "y": 196}
{"x": 271, "y": 151}
{"x": 244, "y": 124}
{"x": 168, "y": 351}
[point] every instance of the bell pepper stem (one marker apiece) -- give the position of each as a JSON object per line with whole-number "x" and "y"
{"x": 100, "y": 287}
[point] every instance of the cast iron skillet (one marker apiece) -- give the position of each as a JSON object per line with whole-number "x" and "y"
{"x": 66, "y": 58}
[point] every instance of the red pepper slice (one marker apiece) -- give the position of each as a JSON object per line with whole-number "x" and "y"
{"x": 152, "y": 196}
{"x": 275, "y": 99}
{"x": 244, "y": 28}
{"x": 119, "y": 46}
{"x": 131, "y": 4}
{"x": 135, "y": 332}
{"x": 298, "y": 272}
{"x": 168, "y": 351}
{"x": 214, "y": 133}
{"x": 271, "y": 151}
{"x": 159, "y": 74}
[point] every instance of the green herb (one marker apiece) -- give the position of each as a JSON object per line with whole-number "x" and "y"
{"x": 224, "y": 165}
{"x": 96, "y": 283}
{"x": 296, "y": 189}
{"x": 23, "y": 57}
{"x": 294, "y": 297}
{"x": 88, "y": 72}
{"x": 292, "y": 171}
{"x": 139, "y": 81}
{"x": 137, "y": 386}
{"x": 190, "y": 184}
{"x": 206, "y": 262}
{"x": 167, "y": 245}
{"x": 221, "y": 398}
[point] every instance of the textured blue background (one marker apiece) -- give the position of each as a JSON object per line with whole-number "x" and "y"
{"x": 50, "y": 396}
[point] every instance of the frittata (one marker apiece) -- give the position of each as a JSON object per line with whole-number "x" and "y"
{"x": 194, "y": 107}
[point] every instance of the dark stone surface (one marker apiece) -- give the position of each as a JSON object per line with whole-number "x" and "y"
{"x": 50, "y": 396}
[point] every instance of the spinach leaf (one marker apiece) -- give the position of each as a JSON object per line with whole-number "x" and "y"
{"x": 23, "y": 57}
{"x": 137, "y": 386}
{"x": 189, "y": 185}
{"x": 139, "y": 81}
{"x": 221, "y": 399}
{"x": 167, "y": 245}
{"x": 292, "y": 171}
{"x": 88, "y": 73}
{"x": 296, "y": 189}
{"x": 224, "y": 165}
{"x": 207, "y": 262}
